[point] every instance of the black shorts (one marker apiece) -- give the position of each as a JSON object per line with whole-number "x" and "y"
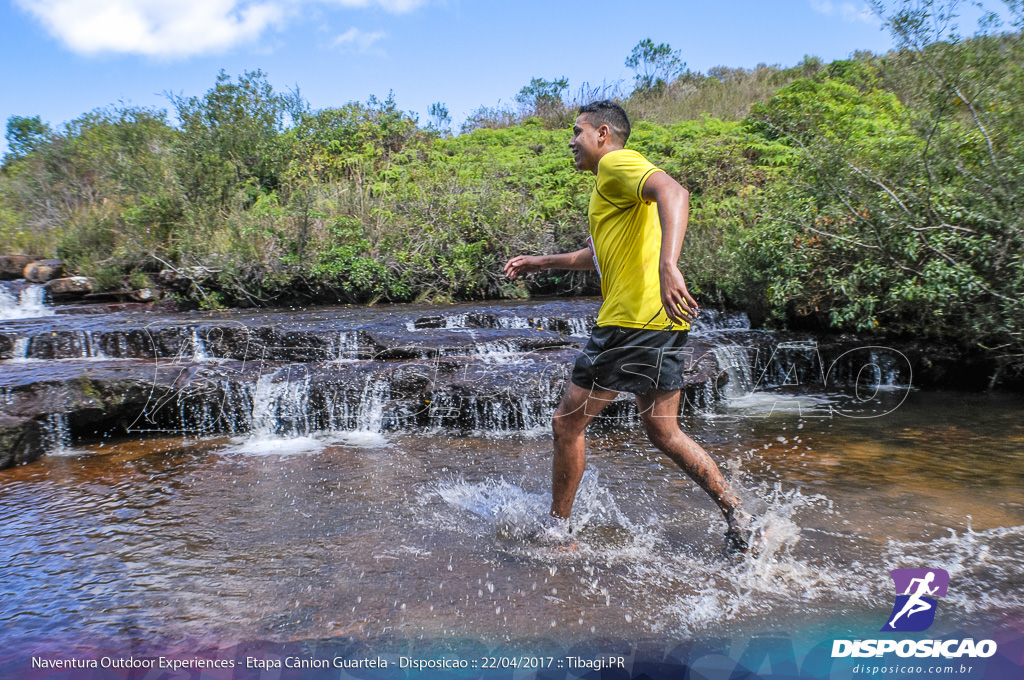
{"x": 635, "y": 360}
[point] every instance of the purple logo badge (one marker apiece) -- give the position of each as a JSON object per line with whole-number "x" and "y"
{"x": 916, "y": 590}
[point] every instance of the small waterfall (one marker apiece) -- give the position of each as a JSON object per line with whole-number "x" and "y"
{"x": 580, "y": 327}
{"x": 280, "y": 405}
{"x": 29, "y": 303}
{"x": 20, "y": 350}
{"x": 59, "y": 345}
{"x": 711, "y": 320}
{"x": 345, "y": 346}
{"x": 495, "y": 370}
{"x": 199, "y": 353}
{"x": 869, "y": 370}
{"x": 795, "y": 363}
{"x": 496, "y": 417}
{"x": 375, "y": 397}
{"x": 280, "y": 421}
{"x": 734, "y": 362}
{"x": 886, "y": 369}
{"x": 208, "y": 405}
{"x": 263, "y": 403}
{"x": 522, "y": 398}
{"x": 513, "y": 323}
{"x": 56, "y": 434}
{"x": 456, "y": 321}
{"x": 497, "y": 352}
{"x": 575, "y": 325}
{"x": 91, "y": 347}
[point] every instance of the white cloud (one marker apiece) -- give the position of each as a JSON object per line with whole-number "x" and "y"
{"x": 180, "y": 28}
{"x": 361, "y": 40}
{"x": 850, "y": 12}
{"x": 154, "y": 27}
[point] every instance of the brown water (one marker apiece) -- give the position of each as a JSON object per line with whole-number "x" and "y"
{"x": 178, "y": 542}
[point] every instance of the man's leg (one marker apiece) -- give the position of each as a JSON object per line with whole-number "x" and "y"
{"x": 660, "y": 413}
{"x": 577, "y": 408}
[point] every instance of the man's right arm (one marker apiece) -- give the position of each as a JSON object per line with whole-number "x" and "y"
{"x": 527, "y": 264}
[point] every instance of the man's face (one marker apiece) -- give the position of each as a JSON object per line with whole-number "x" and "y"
{"x": 585, "y": 144}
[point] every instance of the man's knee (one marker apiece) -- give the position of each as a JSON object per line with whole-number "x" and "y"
{"x": 660, "y": 430}
{"x": 568, "y": 423}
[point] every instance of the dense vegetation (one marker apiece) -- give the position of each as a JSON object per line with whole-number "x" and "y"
{"x": 877, "y": 194}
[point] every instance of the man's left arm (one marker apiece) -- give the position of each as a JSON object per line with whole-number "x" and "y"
{"x": 674, "y": 213}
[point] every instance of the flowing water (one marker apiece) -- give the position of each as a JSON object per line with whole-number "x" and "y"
{"x": 382, "y": 536}
{"x": 23, "y": 301}
{"x": 174, "y": 541}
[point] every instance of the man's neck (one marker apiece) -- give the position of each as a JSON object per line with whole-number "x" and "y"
{"x": 604, "y": 151}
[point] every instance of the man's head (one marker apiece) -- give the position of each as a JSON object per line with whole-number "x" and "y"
{"x": 600, "y": 127}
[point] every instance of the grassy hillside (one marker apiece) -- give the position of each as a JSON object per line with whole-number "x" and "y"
{"x": 875, "y": 194}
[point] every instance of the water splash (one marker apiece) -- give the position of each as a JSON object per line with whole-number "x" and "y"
{"x": 276, "y": 446}
{"x": 680, "y": 588}
{"x": 763, "y": 404}
{"x": 980, "y": 564}
{"x": 709, "y": 588}
{"x": 359, "y": 439}
{"x": 279, "y": 422}
{"x": 502, "y": 506}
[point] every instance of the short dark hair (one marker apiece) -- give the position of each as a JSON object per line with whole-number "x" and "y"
{"x": 607, "y": 112}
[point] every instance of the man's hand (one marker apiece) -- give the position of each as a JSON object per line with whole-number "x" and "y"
{"x": 522, "y": 264}
{"x": 679, "y": 304}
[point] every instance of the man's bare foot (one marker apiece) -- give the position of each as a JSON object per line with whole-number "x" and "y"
{"x": 556, "y": 531}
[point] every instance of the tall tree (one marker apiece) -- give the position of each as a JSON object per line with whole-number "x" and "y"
{"x": 25, "y": 135}
{"x": 654, "y": 65}
{"x": 231, "y": 134}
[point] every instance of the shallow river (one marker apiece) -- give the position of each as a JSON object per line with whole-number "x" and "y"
{"x": 384, "y": 540}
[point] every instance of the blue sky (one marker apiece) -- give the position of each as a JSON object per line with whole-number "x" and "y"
{"x": 62, "y": 58}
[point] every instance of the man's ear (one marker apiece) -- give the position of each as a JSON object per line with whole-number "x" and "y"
{"x": 604, "y": 133}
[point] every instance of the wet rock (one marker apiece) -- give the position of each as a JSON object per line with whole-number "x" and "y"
{"x": 145, "y": 295}
{"x": 492, "y": 368}
{"x": 13, "y": 266}
{"x": 116, "y": 398}
{"x": 296, "y": 372}
{"x": 42, "y": 271}
{"x": 21, "y": 441}
{"x": 851, "y": 360}
{"x": 69, "y": 287}
{"x": 184, "y": 277}
{"x": 167, "y": 306}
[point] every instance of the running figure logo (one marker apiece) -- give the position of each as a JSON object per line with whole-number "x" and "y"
{"x": 916, "y": 590}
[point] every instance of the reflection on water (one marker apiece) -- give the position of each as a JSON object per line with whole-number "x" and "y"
{"x": 175, "y": 541}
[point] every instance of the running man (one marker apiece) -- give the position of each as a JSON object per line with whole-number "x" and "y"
{"x": 638, "y": 216}
{"x": 916, "y": 603}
